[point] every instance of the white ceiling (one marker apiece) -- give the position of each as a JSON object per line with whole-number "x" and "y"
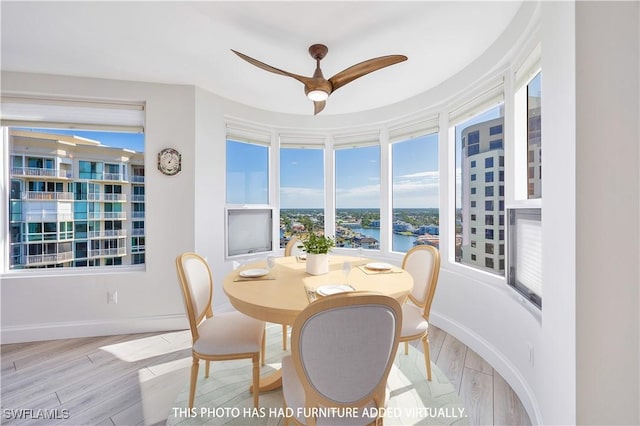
{"x": 190, "y": 42}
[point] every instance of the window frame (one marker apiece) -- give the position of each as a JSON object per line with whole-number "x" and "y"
{"x": 50, "y": 116}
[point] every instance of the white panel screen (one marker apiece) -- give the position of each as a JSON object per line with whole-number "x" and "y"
{"x": 525, "y": 253}
{"x": 249, "y": 231}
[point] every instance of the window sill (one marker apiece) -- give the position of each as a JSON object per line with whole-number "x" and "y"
{"x": 61, "y": 272}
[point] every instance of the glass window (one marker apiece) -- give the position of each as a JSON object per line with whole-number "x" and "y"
{"x": 357, "y": 183}
{"x": 63, "y": 224}
{"x": 487, "y": 155}
{"x": 415, "y": 189}
{"x": 534, "y": 136}
{"x": 247, "y": 173}
{"x": 301, "y": 191}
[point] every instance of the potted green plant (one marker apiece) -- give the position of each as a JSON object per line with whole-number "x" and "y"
{"x": 317, "y": 248}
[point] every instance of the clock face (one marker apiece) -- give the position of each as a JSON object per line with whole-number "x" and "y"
{"x": 169, "y": 161}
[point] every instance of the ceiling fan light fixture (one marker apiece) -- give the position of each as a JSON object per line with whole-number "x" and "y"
{"x": 317, "y": 95}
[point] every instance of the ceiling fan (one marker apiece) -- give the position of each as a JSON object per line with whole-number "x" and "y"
{"x": 317, "y": 88}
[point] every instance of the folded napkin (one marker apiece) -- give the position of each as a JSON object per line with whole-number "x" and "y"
{"x": 393, "y": 270}
{"x": 269, "y": 276}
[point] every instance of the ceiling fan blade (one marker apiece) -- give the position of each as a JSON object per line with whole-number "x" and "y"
{"x": 318, "y": 106}
{"x": 358, "y": 70}
{"x": 300, "y": 78}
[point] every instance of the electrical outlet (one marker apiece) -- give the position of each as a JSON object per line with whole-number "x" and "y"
{"x": 112, "y": 297}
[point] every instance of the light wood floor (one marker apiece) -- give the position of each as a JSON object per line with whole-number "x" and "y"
{"x": 134, "y": 379}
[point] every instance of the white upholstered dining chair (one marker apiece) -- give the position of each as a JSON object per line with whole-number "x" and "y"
{"x": 220, "y": 337}
{"x": 342, "y": 350}
{"x": 291, "y": 249}
{"x": 423, "y": 263}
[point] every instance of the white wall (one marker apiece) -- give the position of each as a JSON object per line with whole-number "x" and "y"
{"x": 556, "y": 382}
{"x": 607, "y": 195}
{"x": 43, "y": 305}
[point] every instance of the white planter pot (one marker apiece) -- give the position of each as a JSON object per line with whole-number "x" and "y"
{"x": 317, "y": 264}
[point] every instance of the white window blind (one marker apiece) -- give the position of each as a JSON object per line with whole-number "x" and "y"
{"x": 529, "y": 67}
{"x": 352, "y": 140}
{"x": 488, "y": 96}
{"x": 75, "y": 114}
{"x": 412, "y": 129}
{"x": 302, "y": 141}
{"x": 525, "y": 252}
{"x": 240, "y": 133}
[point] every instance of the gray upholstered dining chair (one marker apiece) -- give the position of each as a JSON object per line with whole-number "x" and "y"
{"x": 220, "y": 337}
{"x": 291, "y": 249}
{"x": 423, "y": 263}
{"x": 342, "y": 350}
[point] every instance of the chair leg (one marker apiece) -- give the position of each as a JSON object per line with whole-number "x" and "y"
{"x": 194, "y": 379}
{"x": 256, "y": 380}
{"x": 263, "y": 350}
{"x": 284, "y": 337}
{"x": 427, "y": 357}
{"x": 406, "y": 348}
{"x": 206, "y": 369}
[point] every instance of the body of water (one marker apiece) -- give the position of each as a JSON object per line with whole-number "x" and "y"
{"x": 401, "y": 243}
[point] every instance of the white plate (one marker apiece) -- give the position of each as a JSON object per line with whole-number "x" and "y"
{"x": 327, "y": 290}
{"x": 378, "y": 266}
{"x": 253, "y": 273}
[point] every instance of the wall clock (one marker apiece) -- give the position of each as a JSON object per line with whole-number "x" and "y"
{"x": 169, "y": 161}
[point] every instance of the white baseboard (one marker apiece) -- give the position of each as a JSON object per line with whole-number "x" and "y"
{"x": 73, "y": 329}
{"x": 495, "y": 358}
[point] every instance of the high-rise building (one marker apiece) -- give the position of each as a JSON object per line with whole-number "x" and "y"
{"x": 74, "y": 202}
{"x": 483, "y": 195}
{"x": 534, "y": 147}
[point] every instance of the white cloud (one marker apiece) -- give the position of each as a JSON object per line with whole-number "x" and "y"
{"x": 301, "y": 198}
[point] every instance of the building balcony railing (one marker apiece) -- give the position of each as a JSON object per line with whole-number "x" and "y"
{"x": 117, "y": 177}
{"x": 112, "y": 233}
{"x": 137, "y": 215}
{"x": 35, "y": 171}
{"x": 110, "y": 252}
{"x": 137, "y": 232}
{"x": 45, "y": 259}
{"x": 113, "y": 176}
{"x": 45, "y": 216}
{"x": 106, "y": 215}
{"x": 54, "y": 196}
{"x": 107, "y": 197}
{"x": 137, "y": 198}
{"x": 138, "y": 249}
{"x": 137, "y": 179}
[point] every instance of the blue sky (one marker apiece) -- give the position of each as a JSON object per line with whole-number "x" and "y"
{"x": 414, "y": 169}
{"x": 134, "y": 141}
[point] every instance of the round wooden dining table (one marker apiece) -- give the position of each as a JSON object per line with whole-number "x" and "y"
{"x": 287, "y": 289}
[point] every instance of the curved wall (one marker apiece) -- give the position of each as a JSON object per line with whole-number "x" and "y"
{"x": 477, "y": 308}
